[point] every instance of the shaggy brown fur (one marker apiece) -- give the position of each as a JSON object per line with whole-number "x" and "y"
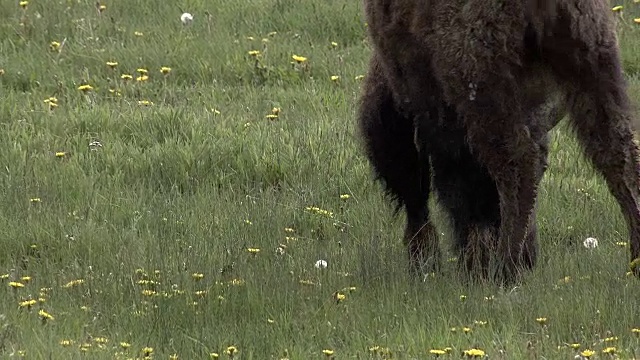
{"x": 462, "y": 93}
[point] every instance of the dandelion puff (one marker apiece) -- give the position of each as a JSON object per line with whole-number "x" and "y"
{"x": 590, "y": 243}
{"x": 186, "y": 18}
{"x": 321, "y": 264}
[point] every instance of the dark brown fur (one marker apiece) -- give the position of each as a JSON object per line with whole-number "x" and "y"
{"x": 462, "y": 93}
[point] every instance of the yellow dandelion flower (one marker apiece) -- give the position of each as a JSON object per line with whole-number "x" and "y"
{"x": 335, "y": 78}
{"x": 340, "y": 297}
{"x": 197, "y": 276}
{"x": 289, "y": 230}
{"x": 334, "y": 44}
{"x": 541, "y": 320}
{"x": 253, "y": 251}
{"x": 575, "y": 346}
{"x": 214, "y": 355}
{"x": 299, "y": 59}
{"x": 463, "y": 297}
{"x": 271, "y": 116}
{"x": 328, "y": 352}
{"x": 231, "y": 350}
{"x": 85, "y": 88}
{"x": 61, "y": 154}
{"x": 147, "y": 351}
{"x": 271, "y": 321}
{"x": 112, "y": 64}
{"x": 102, "y": 7}
{"x": 101, "y": 340}
{"x": 248, "y": 222}
{"x": 345, "y": 196}
{"x": 635, "y": 331}
{"x": 466, "y": 330}
{"x": 474, "y": 353}
{"x": 272, "y": 34}
{"x": 636, "y": 20}
{"x": 126, "y": 77}
{"x": 138, "y": 33}
{"x": 437, "y": 352}
{"x": 165, "y": 70}
{"x": 27, "y": 303}
{"x": 254, "y": 53}
{"x": 611, "y": 339}
{"x": 4, "y": 276}
{"x": 26, "y": 278}
{"x": 125, "y": 345}
{"x": 35, "y": 200}
{"x": 479, "y": 322}
{"x": 145, "y": 103}
{"x": 16, "y": 285}
{"x": 587, "y": 353}
{"x": 236, "y": 282}
{"x": 610, "y": 350}
{"x": 142, "y": 78}
{"x": 617, "y": 8}
{"x": 45, "y": 315}
{"x": 54, "y": 46}
{"x": 142, "y": 71}
{"x": 23, "y": 4}
{"x": 66, "y": 343}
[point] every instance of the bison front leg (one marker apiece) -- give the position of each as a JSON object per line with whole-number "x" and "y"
{"x": 389, "y": 139}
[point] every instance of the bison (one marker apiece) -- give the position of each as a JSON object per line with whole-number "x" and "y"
{"x": 460, "y": 96}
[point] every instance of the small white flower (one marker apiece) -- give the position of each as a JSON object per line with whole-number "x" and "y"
{"x": 590, "y": 243}
{"x": 321, "y": 264}
{"x": 186, "y": 18}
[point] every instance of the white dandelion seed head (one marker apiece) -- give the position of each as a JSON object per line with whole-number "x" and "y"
{"x": 321, "y": 264}
{"x": 186, "y": 18}
{"x": 590, "y": 243}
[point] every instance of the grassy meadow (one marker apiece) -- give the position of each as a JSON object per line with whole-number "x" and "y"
{"x": 167, "y": 191}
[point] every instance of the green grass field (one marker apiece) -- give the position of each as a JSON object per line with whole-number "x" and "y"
{"x": 169, "y": 216}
